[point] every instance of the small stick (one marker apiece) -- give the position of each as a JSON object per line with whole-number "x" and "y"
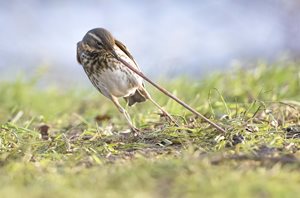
{"x": 169, "y": 94}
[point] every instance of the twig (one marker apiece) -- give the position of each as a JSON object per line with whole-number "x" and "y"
{"x": 169, "y": 94}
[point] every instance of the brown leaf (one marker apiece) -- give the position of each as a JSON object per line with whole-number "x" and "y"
{"x": 101, "y": 118}
{"x": 44, "y": 131}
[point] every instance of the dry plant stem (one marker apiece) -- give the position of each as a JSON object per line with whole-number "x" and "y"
{"x": 170, "y": 95}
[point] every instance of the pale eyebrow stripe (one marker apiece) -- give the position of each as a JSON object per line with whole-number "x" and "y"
{"x": 95, "y": 37}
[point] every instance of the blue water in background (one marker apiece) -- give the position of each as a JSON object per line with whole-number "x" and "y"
{"x": 167, "y": 37}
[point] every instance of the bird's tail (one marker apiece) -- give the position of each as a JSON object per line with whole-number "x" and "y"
{"x": 137, "y": 97}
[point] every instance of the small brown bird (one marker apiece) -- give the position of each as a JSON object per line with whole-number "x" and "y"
{"x": 108, "y": 74}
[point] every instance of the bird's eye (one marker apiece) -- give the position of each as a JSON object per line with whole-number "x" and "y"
{"x": 99, "y": 43}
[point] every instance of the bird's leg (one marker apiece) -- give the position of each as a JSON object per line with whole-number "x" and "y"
{"x": 124, "y": 112}
{"x": 147, "y": 95}
{"x": 164, "y": 112}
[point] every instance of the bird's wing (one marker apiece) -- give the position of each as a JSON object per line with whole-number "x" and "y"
{"x": 126, "y": 51}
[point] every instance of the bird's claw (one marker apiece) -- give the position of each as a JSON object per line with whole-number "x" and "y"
{"x": 135, "y": 131}
{"x": 170, "y": 118}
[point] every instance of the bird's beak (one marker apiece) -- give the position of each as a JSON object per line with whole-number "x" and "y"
{"x": 115, "y": 54}
{"x": 79, "y": 50}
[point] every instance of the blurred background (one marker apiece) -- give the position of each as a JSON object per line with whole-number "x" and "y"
{"x": 167, "y": 37}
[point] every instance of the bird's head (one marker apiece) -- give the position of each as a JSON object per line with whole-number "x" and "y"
{"x": 98, "y": 39}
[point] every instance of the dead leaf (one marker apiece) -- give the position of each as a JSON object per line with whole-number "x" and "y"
{"x": 101, "y": 118}
{"x": 44, "y": 131}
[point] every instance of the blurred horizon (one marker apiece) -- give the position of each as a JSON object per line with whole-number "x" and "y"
{"x": 179, "y": 38}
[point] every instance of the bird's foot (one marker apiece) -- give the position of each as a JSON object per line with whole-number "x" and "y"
{"x": 135, "y": 131}
{"x": 170, "y": 118}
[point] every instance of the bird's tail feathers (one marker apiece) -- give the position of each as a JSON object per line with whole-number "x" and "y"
{"x": 140, "y": 95}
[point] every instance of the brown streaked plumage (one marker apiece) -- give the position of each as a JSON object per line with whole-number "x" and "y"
{"x": 108, "y": 74}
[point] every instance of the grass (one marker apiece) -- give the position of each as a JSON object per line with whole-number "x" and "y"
{"x": 58, "y": 143}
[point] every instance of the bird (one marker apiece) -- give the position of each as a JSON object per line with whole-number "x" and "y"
{"x": 97, "y": 52}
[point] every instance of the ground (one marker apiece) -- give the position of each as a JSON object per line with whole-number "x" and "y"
{"x": 74, "y": 142}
